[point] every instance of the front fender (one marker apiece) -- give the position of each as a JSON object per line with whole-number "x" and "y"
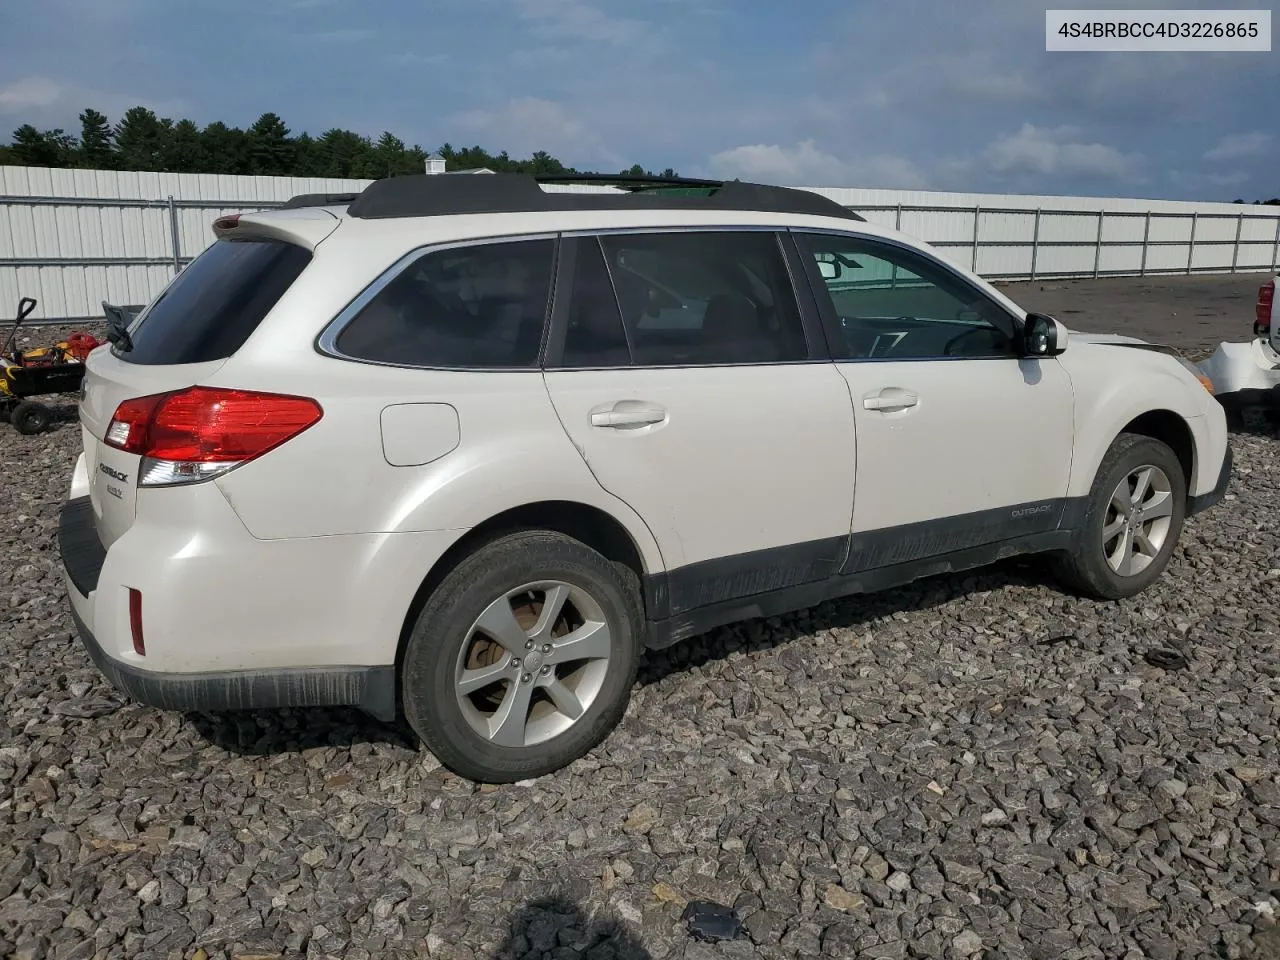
{"x": 1114, "y": 386}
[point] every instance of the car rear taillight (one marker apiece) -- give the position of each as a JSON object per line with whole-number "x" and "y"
{"x": 1266, "y": 298}
{"x": 200, "y": 432}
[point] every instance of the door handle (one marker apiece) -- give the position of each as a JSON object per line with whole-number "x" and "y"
{"x": 627, "y": 415}
{"x": 889, "y": 399}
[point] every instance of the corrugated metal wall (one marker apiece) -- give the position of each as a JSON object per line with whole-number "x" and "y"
{"x": 73, "y": 238}
{"x": 1077, "y": 236}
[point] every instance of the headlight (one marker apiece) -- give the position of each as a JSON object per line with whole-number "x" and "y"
{"x": 1197, "y": 373}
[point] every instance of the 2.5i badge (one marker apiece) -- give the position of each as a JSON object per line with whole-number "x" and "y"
{"x": 114, "y": 475}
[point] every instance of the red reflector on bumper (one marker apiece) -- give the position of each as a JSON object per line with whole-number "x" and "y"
{"x": 135, "y": 621}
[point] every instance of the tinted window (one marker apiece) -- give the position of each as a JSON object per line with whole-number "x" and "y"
{"x": 594, "y": 337}
{"x": 705, "y": 297}
{"x": 212, "y": 306}
{"x": 475, "y": 306}
{"x": 891, "y": 304}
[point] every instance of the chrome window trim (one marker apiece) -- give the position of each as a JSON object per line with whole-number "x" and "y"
{"x": 326, "y": 340}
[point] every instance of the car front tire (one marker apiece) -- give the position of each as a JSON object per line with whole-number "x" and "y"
{"x": 523, "y": 657}
{"x": 1132, "y": 520}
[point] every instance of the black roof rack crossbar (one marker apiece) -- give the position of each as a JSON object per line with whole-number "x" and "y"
{"x": 318, "y": 200}
{"x": 424, "y": 195}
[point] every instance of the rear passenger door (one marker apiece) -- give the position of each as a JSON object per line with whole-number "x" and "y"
{"x": 683, "y": 370}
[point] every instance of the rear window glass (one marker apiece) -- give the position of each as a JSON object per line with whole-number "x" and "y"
{"x": 481, "y": 306}
{"x": 213, "y": 305}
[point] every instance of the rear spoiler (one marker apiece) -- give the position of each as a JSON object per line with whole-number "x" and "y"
{"x": 304, "y": 225}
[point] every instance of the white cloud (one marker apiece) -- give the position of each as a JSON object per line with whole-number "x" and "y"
{"x": 1228, "y": 179}
{"x": 580, "y": 21}
{"x": 528, "y": 124}
{"x": 348, "y": 35}
{"x": 1236, "y": 146}
{"x": 806, "y": 164}
{"x": 410, "y": 58}
{"x": 40, "y": 100}
{"x": 30, "y": 93}
{"x": 1058, "y": 151}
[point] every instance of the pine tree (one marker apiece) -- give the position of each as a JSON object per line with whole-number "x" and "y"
{"x": 270, "y": 149}
{"x": 142, "y": 139}
{"x": 97, "y": 149}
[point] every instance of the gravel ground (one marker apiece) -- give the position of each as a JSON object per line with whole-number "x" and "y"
{"x": 1192, "y": 313}
{"x": 973, "y": 766}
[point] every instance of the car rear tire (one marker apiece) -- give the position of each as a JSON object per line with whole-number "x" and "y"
{"x": 523, "y": 657}
{"x": 30, "y": 418}
{"x": 1132, "y": 520}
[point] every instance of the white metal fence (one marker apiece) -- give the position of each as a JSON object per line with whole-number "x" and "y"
{"x": 73, "y": 238}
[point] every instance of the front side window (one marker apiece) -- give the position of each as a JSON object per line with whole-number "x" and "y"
{"x": 891, "y": 304}
{"x": 704, "y": 297}
{"x": 480, "y": 306}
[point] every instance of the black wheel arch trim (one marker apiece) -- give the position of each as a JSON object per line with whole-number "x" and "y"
{"x": 1211, "y": 498}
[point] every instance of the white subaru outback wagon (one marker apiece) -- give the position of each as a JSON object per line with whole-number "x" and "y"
{"x": 458, "y": 449}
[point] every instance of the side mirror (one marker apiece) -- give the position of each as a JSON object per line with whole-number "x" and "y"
{"x": 829, "y": 269}
{"x": 1043, "y": 336}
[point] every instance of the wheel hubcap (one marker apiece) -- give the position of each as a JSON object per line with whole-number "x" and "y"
{"x": 1138, "y": 518}
{"x": 533, "y": 663}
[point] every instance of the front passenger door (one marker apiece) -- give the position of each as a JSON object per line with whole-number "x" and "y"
{"x": 961, "y": 441}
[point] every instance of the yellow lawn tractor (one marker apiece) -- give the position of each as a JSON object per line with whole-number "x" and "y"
{"x": 58, "y": 369}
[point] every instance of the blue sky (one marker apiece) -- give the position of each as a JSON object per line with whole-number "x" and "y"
{"x": 930, "y": 94}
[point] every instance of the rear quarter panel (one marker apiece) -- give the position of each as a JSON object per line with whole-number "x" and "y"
{"x": 335, "y": 479}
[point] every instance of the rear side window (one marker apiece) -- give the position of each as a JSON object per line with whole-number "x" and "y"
{"x": 212, "y": 306}
{"x": 480, "y": 306}
{"x": 595, "y": 337}
{"x": 694, "y": 298}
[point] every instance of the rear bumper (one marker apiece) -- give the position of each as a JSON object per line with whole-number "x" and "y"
{"x": 372, "y": 689}
{"x": 1213, "y": 497}
{"x": 1244, "y": 374}
{"x": 84, "y": 559}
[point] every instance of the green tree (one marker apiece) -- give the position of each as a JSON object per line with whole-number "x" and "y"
{"x": 142, "y": 139}
{"x": 225, "y": 148}
{"x": 270, "y": 149}
{"x": 306, "y": 157}
{"x": 43, "y": 148}
{"x": 97, "y": 151}
{"x": 345, "y": 154}
{"x": 415, "y": 160}
{"x": 185, "y": 151}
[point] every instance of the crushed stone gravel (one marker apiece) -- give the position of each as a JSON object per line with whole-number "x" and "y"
{"x": 920, "y": 773}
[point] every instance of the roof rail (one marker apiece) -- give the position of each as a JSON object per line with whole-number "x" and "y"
{"x": 424, "y": 195}
{"x": 318, "y": 200}
{"x": 641, "y": 181}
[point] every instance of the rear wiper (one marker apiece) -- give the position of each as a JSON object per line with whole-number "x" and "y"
{"x": 118, "y": 320}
